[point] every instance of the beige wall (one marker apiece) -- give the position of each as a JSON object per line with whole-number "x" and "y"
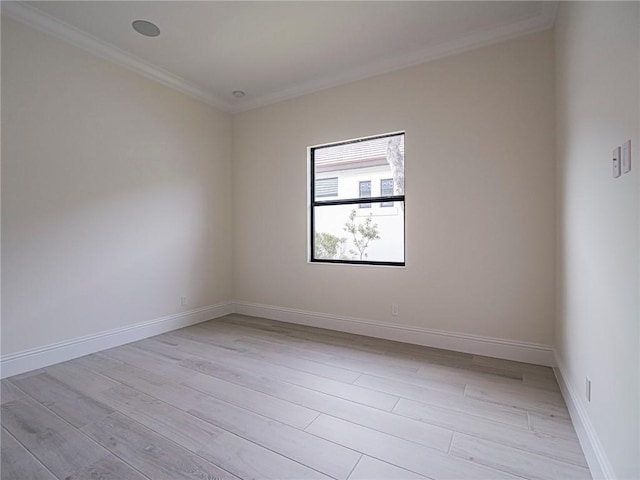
{"x": 480, "y": 212}
{"x": 598, "y": 107}
{"x": 115, "y": 195}
{"x": 118, "y": 195}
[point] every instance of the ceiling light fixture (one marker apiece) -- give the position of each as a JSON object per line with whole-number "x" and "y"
{"x": 238, "y": 93}
{"x": 145, "y": 28}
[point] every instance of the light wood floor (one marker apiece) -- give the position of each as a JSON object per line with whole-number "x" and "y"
{"x": 241, "y": 397}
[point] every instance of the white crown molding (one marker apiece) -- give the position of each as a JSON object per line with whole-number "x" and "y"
{"x": 594, "y": 453}
{"x": 549, "y": 13}
{"x": 459, "y": 342}
{"x": 28, "y": 360}
{"x": 39, "y": 20}
{"x": 543, "y": 21}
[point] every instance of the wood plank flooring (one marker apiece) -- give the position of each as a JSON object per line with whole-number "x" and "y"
{"x": 249, "y": 398}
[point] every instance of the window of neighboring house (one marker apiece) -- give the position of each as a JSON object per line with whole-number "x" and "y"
{"x": 364, "y": 189}
{"x": 386, "y": 190}
{"x": 343, "y": 226}
{"x": 327, "y": 187}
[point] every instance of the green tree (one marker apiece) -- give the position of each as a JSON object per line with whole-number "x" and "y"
{"x": 362, "y": 233}
{"x": 329, "y": 247}
{"x": 396, "y": 163}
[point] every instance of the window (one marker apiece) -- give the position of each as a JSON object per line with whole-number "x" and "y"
{"x": 365, "y": 192}
{"x": 327, "y": 187}
{"x": 347, "y": 226}
{"x": 386, "y": 190}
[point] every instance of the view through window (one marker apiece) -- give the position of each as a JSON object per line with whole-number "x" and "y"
{"x": 362, "y": 219}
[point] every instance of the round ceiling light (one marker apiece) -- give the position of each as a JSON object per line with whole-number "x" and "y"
{"x": 145, "y": 28}
{"x": 238, "y": 93}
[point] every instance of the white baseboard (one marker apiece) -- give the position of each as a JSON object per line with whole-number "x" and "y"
{"x": 27, "y": 360}
{"x": 475, "y": 344}
{"x": 598, "y": 461}
{"x": 594, "y": 453}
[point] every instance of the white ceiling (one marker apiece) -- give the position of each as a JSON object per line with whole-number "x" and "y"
{"x": 276, "y": 50}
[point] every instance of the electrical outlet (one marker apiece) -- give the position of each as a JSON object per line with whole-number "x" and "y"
{"x": 626, "y": 156}
{"x": 587, "y": 388}
{"x": 183, "y": 301}
{"x": 615, "y": 157}
{"x": 394, "y": 309}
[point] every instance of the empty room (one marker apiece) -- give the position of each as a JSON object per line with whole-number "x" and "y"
{"x": 349, "y": 240}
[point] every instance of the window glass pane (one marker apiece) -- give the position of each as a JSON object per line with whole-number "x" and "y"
{"x": 343, "y": 232}
{"x": 364, "y": 192}
{"x": 355, "y": 162}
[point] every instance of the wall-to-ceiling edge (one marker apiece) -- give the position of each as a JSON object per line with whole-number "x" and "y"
{"x": 35, "y": 18}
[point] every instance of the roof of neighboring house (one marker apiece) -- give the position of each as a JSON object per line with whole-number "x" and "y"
{"x": 367, "y": 152}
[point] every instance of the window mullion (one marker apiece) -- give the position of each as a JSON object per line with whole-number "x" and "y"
{"x": 355, "y": 201}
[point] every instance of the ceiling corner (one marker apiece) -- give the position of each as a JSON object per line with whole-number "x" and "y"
{"x": 41, "y": 21}
{"x": 549, "y": 13}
